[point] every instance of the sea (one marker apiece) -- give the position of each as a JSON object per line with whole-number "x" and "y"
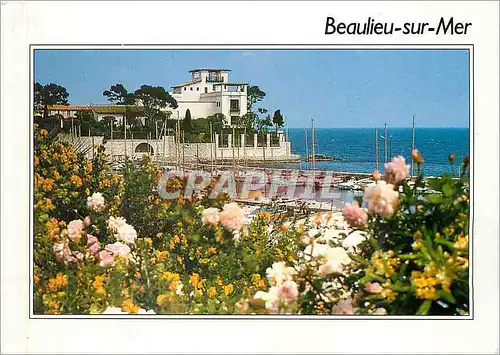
{"x": 353, "y": 149}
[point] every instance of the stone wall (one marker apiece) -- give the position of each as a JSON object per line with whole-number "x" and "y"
{"x": 118, "y": 148}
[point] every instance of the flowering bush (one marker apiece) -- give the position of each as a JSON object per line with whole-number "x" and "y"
{"x": 110, "y": 244}
{"x": 410, "y": 254}
{"x": 115, "y": 246}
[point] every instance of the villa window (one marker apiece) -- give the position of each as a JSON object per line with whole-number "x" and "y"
{"x": 235, "y": 105}
{"x": 206, "y": 89}
{"x": 197, "y": 89}
{"x": 213, "y": 88}
{"x": 191, "y": 88}
{"x": 184, "y": 88}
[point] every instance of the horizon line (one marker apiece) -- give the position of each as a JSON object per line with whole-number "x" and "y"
{"x": 371, "y": 127}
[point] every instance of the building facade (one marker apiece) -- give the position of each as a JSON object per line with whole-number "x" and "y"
{"x": 210, "y": 92}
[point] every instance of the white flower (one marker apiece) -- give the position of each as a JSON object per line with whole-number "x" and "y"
{"x": 313, "y": 232}
{"x": 178, "y": 289}
{"x": 315, "y": 250}
{"x": 210, "y": 216}
{"x": 353, "y": 239}
{"x": 380, "y": 311}
{"x": 337, "y": 255}
{"x": 279, "y": 273}
{"x": 271, "y": 298}
{"x": 115, "y": 222}
{"x": 381, "y": 199}
{"x": 123, "y": 232}
{"x": 126, "y": 234}
{"x": 96, "y": 202}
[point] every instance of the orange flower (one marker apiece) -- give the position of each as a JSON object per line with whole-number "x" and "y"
{"x": 52, "y": 227}
{"x": 194, "y": 279}
{"x": 76, "y": 180}
{"x": 129, "y": 306}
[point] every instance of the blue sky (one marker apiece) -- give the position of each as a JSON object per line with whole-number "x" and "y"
{"x": 339, "y": 88}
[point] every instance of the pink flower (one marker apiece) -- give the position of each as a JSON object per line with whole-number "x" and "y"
{"x": 381, "y": 199}
{"x": 330, "y": 267}
{"x": 106, "y": 258}
{"x": 355, "y": 215}
{"x": 374, "y": 287}
{"x": 305, "y": 239}
{"x": 232, "y": 217}
{"x": 376, "y": 175}
{"x": 288, "y": 291}
{"x": 62, "y": 253}
{"x": 396, "y": 170}
{"x": 344, "y": 307}
{"x": 94, "y": 248}
{"x": 210, "y": 216}
{"x": 118, "y": 249}
{"x": 86, "y": 221}
{"x": 75, "y": 229}
{"x": 91, "y": 239}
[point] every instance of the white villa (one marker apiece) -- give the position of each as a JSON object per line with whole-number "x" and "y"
{"x": 210, "y": 92}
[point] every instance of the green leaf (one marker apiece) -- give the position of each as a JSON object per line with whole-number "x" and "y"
{"x": 435, "y": 199}
{"x": 424, "y": 308}
{"x": 448, "y": 297}
{"x": 434, "y": 184}
{"x": 448, "y": 190}
{"x": 446, "y": 243}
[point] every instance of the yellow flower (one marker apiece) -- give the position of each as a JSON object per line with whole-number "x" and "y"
{"x": 194, "y": 280}
{"x": 52, "y": 227}
{"x": 170, "y": 276}
{"x": 212, "y": 250}
{"x": 129, "y": 306}
{"x": 163, "y": 299}
{"x": 88, "y": 167}
{"x": 228, "y": 289}
{"x": 43, "y": 132}
{"x": 76, "y": 180}
{"x": 98, "y": 285}
{"x": 212, "y": 291}
{"x": 462, "y": 243}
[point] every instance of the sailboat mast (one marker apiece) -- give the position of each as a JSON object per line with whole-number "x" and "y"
{"x": 312, "y": 143}
{"x": 376, "y": 149}
{"x": 385, "y": 142}
{"x": 412, "y": 142}
{"x": 307, "y": 147}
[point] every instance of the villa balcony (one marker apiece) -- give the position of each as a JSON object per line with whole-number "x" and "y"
{"x": 215, "y": 79}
